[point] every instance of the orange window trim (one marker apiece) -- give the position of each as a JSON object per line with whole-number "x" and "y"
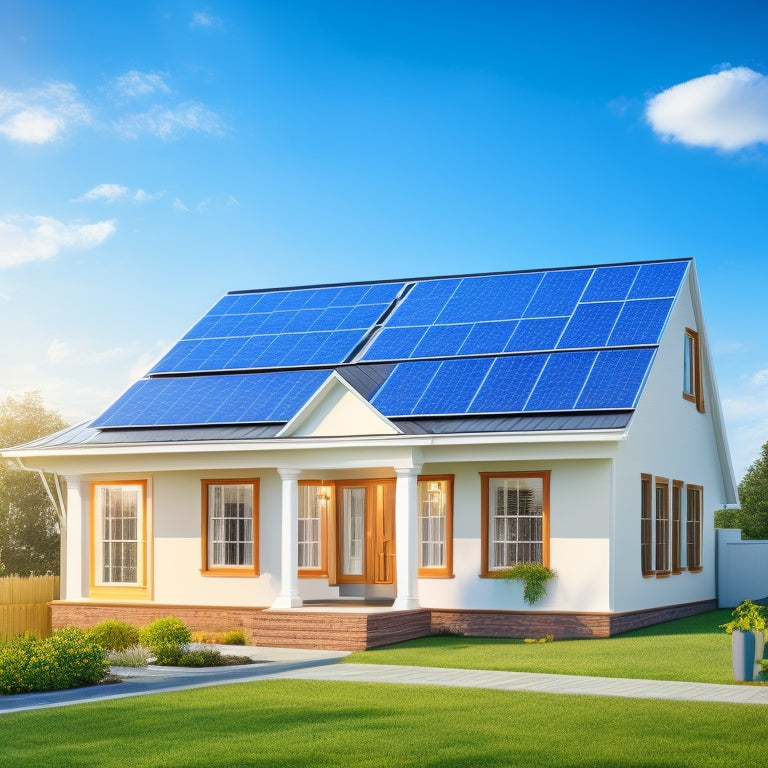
{"x": 646, "y": 525}
{"x": 697, "y": 394}
{"x": 141, "y": 590}
{"x": 677, "y": 496}
{"x": 212, "y": 570}
{"x": 446, "y": 572}
{"x": 485, "y": 477}
{"x": 322, "y": 571}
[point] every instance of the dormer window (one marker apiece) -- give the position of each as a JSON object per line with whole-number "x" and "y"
{"x": 692, "y": 389}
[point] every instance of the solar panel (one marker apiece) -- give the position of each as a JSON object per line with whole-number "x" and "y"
{"x": 216, "y": 399}
{"x": 558, "y": 340}
{"x": 347, "y": 312}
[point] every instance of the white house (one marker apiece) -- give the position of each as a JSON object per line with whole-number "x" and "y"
{"x": 345, "y": 465}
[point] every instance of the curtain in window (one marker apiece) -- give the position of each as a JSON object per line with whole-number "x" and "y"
{"x": 230, "y": 525}
{"x": 433, "y": 496}
{"x": 353, "y": 531}
{"x": 310, "y": 526}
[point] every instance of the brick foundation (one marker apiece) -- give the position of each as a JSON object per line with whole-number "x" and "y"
{"x": 352, "y": 631}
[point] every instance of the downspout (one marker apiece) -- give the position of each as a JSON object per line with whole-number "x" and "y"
{"x": 59, "y": 507}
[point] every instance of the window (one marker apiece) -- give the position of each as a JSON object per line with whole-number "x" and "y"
{"x": 119, "y": 538}
{"x": 314, "y": 502}
{"x": 646, "y": 525}
{"x": 677, "y": 494}
{"x": 662, "y": 526}
{"x": 692, "y": 386}
{"x": 435, "y": 499}
{"x": 694, "y": 526}
{"x": 515, "y": 519}
{"x": 230, "y": 527}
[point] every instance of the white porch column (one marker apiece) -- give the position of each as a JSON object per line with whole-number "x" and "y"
{"x": 407, "y": 536}
{"x": 289, "y": 575}
{"x": 76, "y": 564}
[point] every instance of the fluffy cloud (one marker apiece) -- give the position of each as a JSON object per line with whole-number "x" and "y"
{"x": 168, "y": 123}
{"x": 135, "y": 83}
{"x": 40, "y": 115}
{"x": 113, "y": 192}
{"x": 727, "y": 110}
{"x": 37, "y": 238}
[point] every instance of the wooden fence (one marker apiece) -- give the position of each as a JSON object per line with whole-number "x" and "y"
{"x": 24, "y": 605}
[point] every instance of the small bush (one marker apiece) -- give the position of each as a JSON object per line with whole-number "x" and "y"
{"x": 235, "y": 637}
{"x": 113, "y": 635}
{"x": 68, "y": 659}
{"x": 133, "y": 656}
{"x": 202, "y": 657}
{"x": 165, "y": 634}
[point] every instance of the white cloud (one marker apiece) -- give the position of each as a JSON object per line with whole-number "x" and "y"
{"x": 42, "y": 114}
{"x": 108, "y": 192}
{"x": 168, "y": 123}
{"x": 202, "y": 19}
{"x": 58, "y": 350}
{"x": 727, "y": 110}
{"x": 113, "y": 192}
{"x": 179, "y": 206}
{"x": 135, "y": 83}
{"x": 37, "y": 238}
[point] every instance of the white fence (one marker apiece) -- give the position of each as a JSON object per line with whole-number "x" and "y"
{"x": 742, "y": 568}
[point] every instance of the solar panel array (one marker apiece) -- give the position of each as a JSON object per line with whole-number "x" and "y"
{"x": 559, "y": 340}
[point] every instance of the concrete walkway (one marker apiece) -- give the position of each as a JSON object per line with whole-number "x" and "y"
{"x": 292, "y": 664}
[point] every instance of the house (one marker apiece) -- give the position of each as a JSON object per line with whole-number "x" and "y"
{"x": 347, "y": 465}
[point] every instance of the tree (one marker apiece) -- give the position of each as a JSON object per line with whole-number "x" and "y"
{"x": 29, "y": 526}
{"x": 753, "y": 492}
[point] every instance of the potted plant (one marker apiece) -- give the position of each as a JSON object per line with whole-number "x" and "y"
{"x": 534, "y": 577}
{"x": 747, "y": 629}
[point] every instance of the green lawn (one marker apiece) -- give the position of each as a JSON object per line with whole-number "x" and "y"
{"x": 693, "y": 649}
{"x": 302, "y": 723}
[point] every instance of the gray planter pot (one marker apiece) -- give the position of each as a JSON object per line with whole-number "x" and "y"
{"x": 747, "y": 648}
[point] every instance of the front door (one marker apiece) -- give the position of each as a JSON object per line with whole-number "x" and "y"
{"x": 365, "y": 527}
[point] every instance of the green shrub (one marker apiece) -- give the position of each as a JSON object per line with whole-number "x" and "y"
{"x": 202, "y": 657}
{"x": 235, "y": 637}
{"x": 113, "y": 635}
{"x": 132, "y": 656}
{"x": 534, "y": 577}
{"x": 165, "y": 634}
{"x": 66, "y": 660}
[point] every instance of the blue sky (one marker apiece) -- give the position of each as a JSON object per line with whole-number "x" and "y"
{"x": 154, "y": 155}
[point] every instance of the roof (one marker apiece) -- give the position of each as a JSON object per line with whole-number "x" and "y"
{"x": 566, "y": 348}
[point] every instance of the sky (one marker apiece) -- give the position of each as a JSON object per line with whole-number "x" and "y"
{"x": 155, "y": 155}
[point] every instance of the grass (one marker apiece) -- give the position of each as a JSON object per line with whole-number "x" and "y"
{"x": 306, "y": 723}
{"x": 693, "y": 649}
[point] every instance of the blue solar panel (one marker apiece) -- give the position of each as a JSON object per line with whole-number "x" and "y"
{"x": 610, "y": 283}
{"x": 561, "y": 381}
{"x": 488, "y": 337}
{"x": 442, "y": 340}
{"x": 437, "y": 330}
{"x": 536, "y": 334}
{"x": 658, "y": 280}
{"x": 496, "y": 297}
{"x": 509, "y": 384}
{"x": 591, "y": 325}
{"x": 453, "y": 386}
{"x": 558, "y": 293}
{"x": 616, "y": 379}
{"x": 641, "y": 322}
{"x": 216, "y": 399}
{"x": 404, "y": 387}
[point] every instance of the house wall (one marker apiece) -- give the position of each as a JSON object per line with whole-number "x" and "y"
{"x": 668, "y": 438}
{"x": 579, "y": 533}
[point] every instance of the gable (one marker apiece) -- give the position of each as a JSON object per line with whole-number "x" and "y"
{"x": 338, "y": 411}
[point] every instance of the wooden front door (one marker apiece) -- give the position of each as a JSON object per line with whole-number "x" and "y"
{"x": 365, "y": 527}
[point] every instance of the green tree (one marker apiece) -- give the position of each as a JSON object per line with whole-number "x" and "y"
{"x": 29, "y": 526}
{"x": 753, "y": 493}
